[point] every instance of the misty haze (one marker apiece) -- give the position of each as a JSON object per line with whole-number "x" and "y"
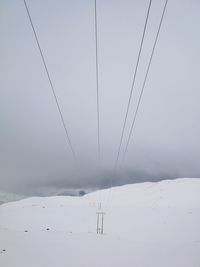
{"x": 99, "y": 136}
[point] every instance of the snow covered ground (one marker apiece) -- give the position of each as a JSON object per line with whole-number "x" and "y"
{"x": 146, "y": 225}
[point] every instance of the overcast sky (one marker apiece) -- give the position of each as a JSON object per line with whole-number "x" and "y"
{"x": 34, "y": 155}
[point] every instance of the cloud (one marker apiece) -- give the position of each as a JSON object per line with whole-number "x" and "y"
{"x": 35, "y": 157}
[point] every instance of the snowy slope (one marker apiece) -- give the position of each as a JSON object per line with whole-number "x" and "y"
{"x": 148, "y": 224}
{"x": 7, "y": 197}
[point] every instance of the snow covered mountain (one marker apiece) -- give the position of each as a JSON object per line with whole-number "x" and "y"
{"x": 146, "y": 225}
{"x": 7, "y": 197}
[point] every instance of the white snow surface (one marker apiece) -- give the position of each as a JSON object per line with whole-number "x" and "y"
{"x": 146, "y": 225}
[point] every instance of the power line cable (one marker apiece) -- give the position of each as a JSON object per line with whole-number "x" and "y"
{"x": 149, "y": 64}
{"x": 50, "y": 82}
{"x": 132, "y": 86}
{"x": 129, "y": 100}
{"x": 97, "y": 77}
{"x": 144, "y": 82}
{"x": 97, "y": 90}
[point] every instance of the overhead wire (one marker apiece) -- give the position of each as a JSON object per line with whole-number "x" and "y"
{"x": 144, "y": 82}
{"x": 140, "y": 97}
{"x": 50, "y": 82}
{"x": 97, "y": 82}
{"x": 132, "y": 86}
{"x": 97, "y": 92}
{"x": 129, "y": 100}
{"x": 97, "y": 78}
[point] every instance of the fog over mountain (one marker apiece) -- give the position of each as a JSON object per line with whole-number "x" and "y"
{"x": 35, "y": 158}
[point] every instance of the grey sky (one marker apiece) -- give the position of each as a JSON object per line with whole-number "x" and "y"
{"x": 34, "y": 155}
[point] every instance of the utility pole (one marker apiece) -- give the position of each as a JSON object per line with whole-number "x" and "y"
{"x": 100, "y": 222}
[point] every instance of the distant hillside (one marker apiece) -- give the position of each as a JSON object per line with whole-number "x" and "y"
{"x": 8, "y": 197}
